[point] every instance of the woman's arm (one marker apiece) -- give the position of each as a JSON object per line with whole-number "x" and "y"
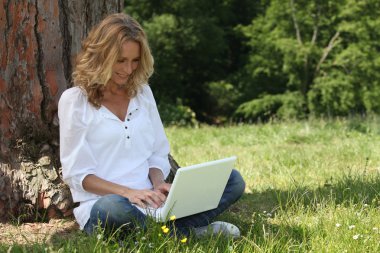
{"x": 160, "y": 151}
{"x": 157, "y": 178}
{"x": 95, "y": 184}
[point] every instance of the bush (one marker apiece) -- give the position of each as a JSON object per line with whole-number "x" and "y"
{"x": 177, "y": 114}
{"x": 282, "y": 106}
{"x": 293, "y": 106}
{"x": 222, "y": 99}
{"x": 371, "y": 97}
{"x": 333, "y": 95}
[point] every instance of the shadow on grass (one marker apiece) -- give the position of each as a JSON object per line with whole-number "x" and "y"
{"x": 253, "y": 211}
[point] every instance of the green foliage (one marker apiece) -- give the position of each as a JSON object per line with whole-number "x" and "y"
{"x": 326, "y": 51}
{"x": 349, "y": 81}
{"x": 280, "y": 106}
{"x": 162, "y": 31}
{"x": 263, "y": 71}
{"x": 178, "y": 114}
{"x": 293, "y": 106}
{"x": 194, "y": 43}
{"x": 188, "y": 45}
{"x": 333, "y": 94}
{"x": 286, "y": 44}
{"x": 222, "y": 99}
{"x": 261, "y": 109}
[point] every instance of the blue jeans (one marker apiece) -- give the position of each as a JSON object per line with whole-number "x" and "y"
{"x": 114, "y": 211}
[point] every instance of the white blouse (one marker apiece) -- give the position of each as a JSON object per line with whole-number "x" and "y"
{"x": 95, "y": 141}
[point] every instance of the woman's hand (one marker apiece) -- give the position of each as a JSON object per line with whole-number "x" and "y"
{"x": 145, "y": 198}
{"x": 163, "y": 188}
{"x": 158, "y": 181}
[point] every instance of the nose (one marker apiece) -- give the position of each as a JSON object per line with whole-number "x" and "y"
{"x": 128, "y": 68}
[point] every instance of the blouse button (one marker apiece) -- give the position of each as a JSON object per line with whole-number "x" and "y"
{"x": 127, "y": 137}
{"x": 126, "y": 127}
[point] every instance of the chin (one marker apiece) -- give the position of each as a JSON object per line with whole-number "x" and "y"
{"x": 120, "y": 82}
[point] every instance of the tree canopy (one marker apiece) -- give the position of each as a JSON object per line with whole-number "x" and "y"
{"x": 252, "y": 60}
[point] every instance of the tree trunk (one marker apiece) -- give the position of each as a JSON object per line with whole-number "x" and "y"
{"x": 38, "y": 41}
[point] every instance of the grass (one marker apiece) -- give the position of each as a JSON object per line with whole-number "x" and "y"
{"x": 312, "y": 186}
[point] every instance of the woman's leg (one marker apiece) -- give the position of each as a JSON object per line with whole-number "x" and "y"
{"x": 112, "y": 212}
{"x": 233, "y": 191}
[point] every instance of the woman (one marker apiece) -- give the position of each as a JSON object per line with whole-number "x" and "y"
{"x": 113, "y": 148}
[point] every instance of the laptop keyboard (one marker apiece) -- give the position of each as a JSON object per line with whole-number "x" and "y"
{"x": 151, "y": 208}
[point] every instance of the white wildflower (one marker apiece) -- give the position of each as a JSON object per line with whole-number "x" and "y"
{"x": 355, "y": 237}
{"x": 338, "y": 225}
{"x": 351, "y": 227}
{"x": 99, "y": 237}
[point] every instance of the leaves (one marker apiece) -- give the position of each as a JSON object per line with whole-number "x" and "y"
{"x": 325, "y": 51}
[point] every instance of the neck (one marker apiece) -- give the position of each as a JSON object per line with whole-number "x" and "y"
{"x": 116, "y": 89}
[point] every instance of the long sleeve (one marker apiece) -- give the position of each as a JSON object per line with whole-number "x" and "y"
{"x": 77, "y": 159}
{"x": 159, "y": 157}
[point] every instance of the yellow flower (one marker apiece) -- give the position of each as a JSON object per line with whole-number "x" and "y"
{"x": 165, "y": 229}
{"x": 184, "y": 240}
{"x": 172, "y": 217}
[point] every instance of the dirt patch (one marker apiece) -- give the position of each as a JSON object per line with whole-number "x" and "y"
{"x": 31, "y": 233}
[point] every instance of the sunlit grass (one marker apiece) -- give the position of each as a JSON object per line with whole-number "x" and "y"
{"x": 279, "y": 155}
{"x": 312, "y": 186}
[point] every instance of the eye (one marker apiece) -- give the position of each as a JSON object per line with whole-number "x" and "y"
{"x": 120, "y": 60}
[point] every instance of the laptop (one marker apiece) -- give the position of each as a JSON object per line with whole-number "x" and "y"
{"x": 196, "y": 188}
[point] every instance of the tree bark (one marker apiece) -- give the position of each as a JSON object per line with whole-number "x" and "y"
{"x": 38, "y": 42}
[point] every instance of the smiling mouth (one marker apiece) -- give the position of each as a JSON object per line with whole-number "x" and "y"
{"x": 123, "y": 76}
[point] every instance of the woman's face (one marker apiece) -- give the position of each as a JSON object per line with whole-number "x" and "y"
{"x": 127, "y": 62}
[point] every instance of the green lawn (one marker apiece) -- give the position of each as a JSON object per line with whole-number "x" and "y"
{"x": 312, "y": 186}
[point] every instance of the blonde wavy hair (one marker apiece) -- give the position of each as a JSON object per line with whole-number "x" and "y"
{"x": 100, "y": 51}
